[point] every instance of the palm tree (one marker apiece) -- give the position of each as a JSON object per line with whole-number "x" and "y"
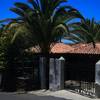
{"x": 85, "y": 31}
{"x": 45, "y": 20}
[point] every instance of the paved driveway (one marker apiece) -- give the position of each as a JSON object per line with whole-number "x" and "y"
{"x": 14, "y": 96}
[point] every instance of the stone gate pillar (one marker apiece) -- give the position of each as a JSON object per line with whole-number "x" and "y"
{"x": 52, "y": 76}
{"x": 97, "y": 79}
{"x": 56, "y": 74}
{"x": 60, "y": 72}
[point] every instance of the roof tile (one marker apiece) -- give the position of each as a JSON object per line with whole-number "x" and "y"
{"x": 61, "y": 48}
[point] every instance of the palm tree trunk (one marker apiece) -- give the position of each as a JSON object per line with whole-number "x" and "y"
{"x": 46, "y": 55}
{"x": 47, "y": 71}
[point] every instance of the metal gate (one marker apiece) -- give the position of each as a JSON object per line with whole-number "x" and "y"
{"x": 79, "y": 74}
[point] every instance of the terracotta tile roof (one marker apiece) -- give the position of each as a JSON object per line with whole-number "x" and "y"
{"x": 33, "y": 49}
{"x": 57, "y": 48}
{"x": 75, "y": 48}
{"x": 86, "y": 48}
{"x": 61, "y": 48}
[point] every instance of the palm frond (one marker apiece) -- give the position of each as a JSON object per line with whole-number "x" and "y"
{"x": 17, "y": 11}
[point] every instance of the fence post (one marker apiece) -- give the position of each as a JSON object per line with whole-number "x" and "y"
{"x": 56, "y": 76}
{"x": 97, "y": 79}
{"x": 42, "y": 65}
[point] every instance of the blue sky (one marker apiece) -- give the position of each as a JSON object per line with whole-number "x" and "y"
{"x": 89, "y": 8}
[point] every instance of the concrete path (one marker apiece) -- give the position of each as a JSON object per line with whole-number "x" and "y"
{"x": 67, "y": 95}
{"x": 15, "y": 96}
{"x": 44, "y": 95}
